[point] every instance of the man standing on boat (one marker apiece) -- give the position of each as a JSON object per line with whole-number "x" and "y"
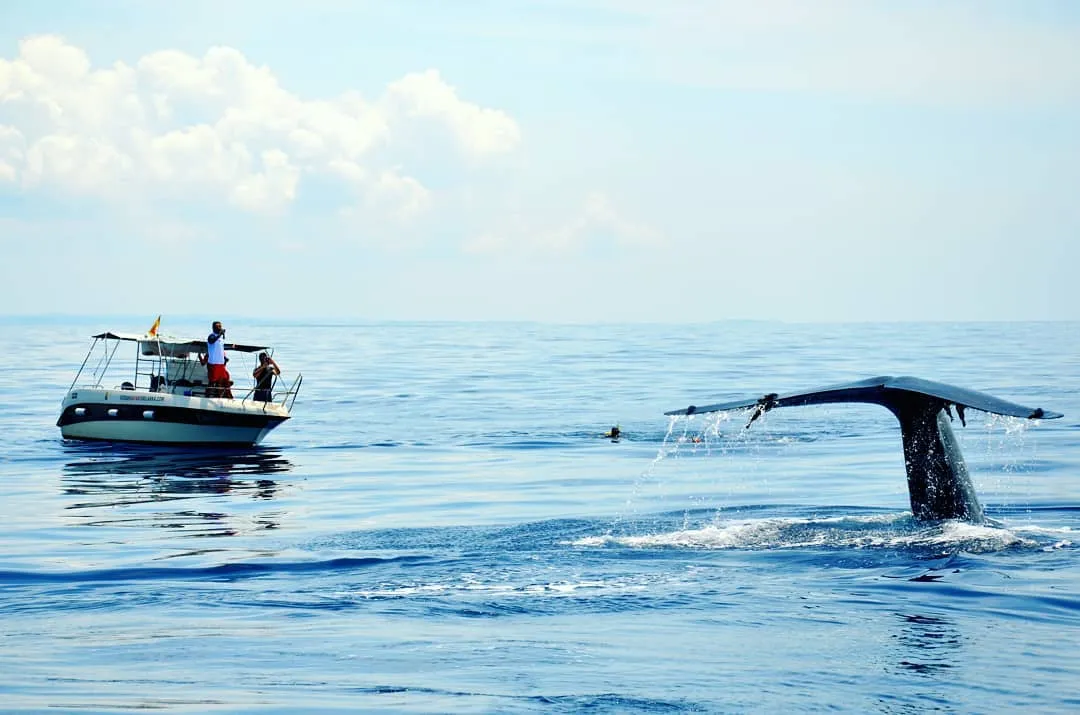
{"x": 264, "y": 376}
{"x": 216, "y": 373}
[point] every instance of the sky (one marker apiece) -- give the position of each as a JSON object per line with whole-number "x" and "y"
{"x": 584, "y": 161}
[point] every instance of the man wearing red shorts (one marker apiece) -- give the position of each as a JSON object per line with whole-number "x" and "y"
{"x": 217, "y": 375}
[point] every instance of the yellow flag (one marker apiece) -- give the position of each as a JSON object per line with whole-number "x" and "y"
{"x": 152, "y": 332}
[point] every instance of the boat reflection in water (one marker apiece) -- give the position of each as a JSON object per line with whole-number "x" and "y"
{"x": 200, "y": 492}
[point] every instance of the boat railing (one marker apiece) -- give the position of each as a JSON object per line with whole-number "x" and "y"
{"x": 293, "y": 391}
{"x": 286, "y": 398}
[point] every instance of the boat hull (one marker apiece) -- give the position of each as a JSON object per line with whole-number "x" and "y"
{"x": 165, "y": 434}
{"x": 164, "y": 418}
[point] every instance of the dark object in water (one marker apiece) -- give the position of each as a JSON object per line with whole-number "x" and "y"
{"x": 938, "y": 481}
{"x": 614, "y": 433}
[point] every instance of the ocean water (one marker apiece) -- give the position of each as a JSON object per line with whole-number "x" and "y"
{"x": 442, "y": 528}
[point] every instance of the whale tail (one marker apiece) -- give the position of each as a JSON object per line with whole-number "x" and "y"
{"x": 938, "y": 482}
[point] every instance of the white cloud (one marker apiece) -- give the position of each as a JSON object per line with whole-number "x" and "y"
{"x": 50, "y": 58}
{"x": 12, "y": 151}
{"x": 275, "y": 183}
{"x": 219, "y": 128}
{"x": 385, "y": 194}
{"x": 406, "y": 194}
{"x": 425, "y": 95}
{"x": 597, "y": 221}
{"x": 83, "y": 164}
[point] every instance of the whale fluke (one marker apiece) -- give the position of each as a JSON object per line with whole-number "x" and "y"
{"x": 938, "y": 481}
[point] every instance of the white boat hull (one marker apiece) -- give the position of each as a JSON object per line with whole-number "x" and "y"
{"x": 165, "y": 418}
{"x": 164, "y": 433}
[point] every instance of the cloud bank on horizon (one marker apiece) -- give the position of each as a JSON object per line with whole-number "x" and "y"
{"x": 547, "y": 161}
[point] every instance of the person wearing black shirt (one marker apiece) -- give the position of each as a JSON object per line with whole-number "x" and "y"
{"x": 264, "y": 377}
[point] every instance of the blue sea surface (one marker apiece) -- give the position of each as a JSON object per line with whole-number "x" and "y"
{"x": 442, "y": 528}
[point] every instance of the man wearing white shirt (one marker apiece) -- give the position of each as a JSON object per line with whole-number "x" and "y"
{"x": 217, "y": 375}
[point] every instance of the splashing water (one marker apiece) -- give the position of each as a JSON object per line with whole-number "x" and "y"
{"x": 880, "y": 531}
{"x": 1005, "y": 445}
{"x": 675, "y": 441}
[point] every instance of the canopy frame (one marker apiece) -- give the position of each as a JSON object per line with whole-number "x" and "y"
{"x": 152, "y": 354}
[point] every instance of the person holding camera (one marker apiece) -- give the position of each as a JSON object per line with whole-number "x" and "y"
{"x": 216, "y": 374}
{"x": 264, "y": 377}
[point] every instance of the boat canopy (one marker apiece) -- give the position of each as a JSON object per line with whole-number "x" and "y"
{"x": 173, "y": 347}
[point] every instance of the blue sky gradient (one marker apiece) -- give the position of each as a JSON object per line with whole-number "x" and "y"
{"x": 556, "y": 161}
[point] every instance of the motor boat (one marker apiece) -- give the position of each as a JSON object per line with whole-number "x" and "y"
{"x": 164, "y": 397}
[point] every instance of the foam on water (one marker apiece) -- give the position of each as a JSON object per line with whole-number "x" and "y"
{"x": 479, "y": 587}
{"x": 851, "y": 532}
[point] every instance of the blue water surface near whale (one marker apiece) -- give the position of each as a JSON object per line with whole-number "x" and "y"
{"x": 442, "y": 528}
